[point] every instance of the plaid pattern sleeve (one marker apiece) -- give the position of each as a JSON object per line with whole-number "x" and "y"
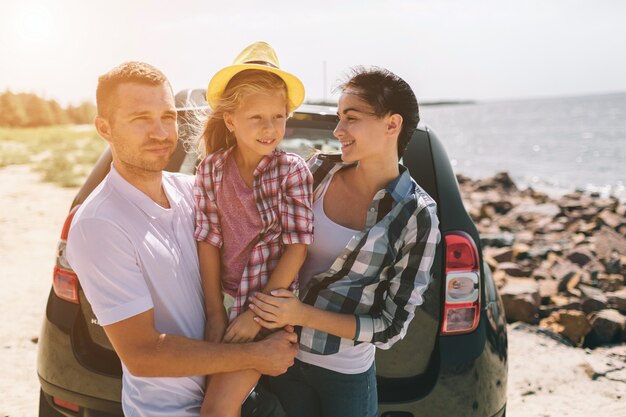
{"x": 382, "y": 273}
{"x": 409, "y": 276}
{"x": 208, "y": 227}
{"x": 296, "y": 207}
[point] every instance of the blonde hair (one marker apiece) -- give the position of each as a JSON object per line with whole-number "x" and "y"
{"x": 215, "y": 135}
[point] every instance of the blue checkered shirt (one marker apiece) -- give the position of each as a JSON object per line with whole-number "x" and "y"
{"x": 382, "y": 273}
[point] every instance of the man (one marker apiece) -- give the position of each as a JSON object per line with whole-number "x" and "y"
{"x": 132, "y": 245}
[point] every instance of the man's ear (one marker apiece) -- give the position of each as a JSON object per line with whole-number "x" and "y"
{"x": 394, "y": 124}
{"x": 103, "y": 127}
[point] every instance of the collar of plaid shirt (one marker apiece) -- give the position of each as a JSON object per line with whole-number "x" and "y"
{"x": 262, "y": 166}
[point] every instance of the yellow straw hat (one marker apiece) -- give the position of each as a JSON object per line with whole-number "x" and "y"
{"x": 258, "y": 56}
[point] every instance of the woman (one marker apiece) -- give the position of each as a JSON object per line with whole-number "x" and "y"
{"x": 374, "y": 242}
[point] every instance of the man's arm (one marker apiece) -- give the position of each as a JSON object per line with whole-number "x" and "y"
{"x": 147, "y": 353}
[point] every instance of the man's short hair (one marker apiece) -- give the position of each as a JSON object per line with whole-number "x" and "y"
{"x": 127, "y": 72}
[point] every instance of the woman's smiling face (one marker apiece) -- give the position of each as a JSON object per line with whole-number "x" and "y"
{"x": 359, "y": 130}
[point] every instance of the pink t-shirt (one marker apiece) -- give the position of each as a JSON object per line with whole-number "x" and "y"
{"x": 241, "y": 225}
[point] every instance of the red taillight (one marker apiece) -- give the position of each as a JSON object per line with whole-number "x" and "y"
{"x": 64, "y": 280}
{"x": 461, "y": 253}
{"x": 66, "y": 404}
{"x": 461, "y": 312}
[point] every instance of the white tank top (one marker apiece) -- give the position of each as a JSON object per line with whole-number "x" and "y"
{"x": 329, "y": 240}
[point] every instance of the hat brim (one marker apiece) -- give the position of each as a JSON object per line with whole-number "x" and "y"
{"x": 295, "y": 88}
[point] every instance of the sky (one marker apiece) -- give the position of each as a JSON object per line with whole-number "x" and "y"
{"x": 446, "y": 49}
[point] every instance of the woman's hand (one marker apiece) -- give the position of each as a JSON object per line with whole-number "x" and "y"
{"x": 243, "y": 329}
{"x": 278, "y": 310}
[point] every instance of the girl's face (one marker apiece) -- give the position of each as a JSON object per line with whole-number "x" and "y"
{"x": 258, "y": 123}
{"x": 362, "y": 134}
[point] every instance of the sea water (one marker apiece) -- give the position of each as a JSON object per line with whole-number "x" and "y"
{"x": 554, "y": 145}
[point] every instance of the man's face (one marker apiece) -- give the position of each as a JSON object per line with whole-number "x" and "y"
{"x": 142, "y": 128}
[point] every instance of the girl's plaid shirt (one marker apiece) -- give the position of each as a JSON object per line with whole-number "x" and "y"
{"x": 282, "y": 188}
{"x": 383, "y": 271}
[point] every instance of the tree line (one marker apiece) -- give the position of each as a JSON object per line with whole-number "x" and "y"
{"x": 30, "y": 110}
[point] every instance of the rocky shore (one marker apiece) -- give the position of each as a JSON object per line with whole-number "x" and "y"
{"x": 559, "y": 262}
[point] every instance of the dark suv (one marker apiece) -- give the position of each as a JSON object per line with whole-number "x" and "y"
{"x": 452, "y": 362}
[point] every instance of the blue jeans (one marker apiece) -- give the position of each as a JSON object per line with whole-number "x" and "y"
{"x": 310, "y": 391}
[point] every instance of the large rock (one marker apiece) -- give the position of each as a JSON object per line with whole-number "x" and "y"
{"x": 608, "y": 242}
{"x": 581, "y": 255}
{"x": 567, "y": 274}
{"x": 610, "y": 282}
{"x": 617, "y": 300}
{"x": 499, "y": 254}
{"x": 521, "y": 300}
{"x": 606, "y": 327}
{"x": 594, "y": 303}
{"x": 514, "y": 270}
{"x": 612, "y": 220}
{"x": 572, "y": 324}
{"x": 497, "y": 239}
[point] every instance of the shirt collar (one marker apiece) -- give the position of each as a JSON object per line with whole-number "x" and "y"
{"x": 399, "y": 188}
{"x": 139, "y": 199}
{"x": 402, "y": 185}
{"x": 260, "y": 168}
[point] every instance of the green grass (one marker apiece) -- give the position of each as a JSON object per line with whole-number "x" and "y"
{"x": 63, "y": 155}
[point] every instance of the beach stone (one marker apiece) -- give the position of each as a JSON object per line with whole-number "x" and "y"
{"x": 578, "y": 238}
{"x": 497, "y": 240}
{"x": 580, "y": 255}
{"x": 567, "y": 274}
{"x": 621, "y": 210}
{"x": 547, "y": 289}
{"x": 609, "y": 203}
{"x": 500, "y": 278}
{"x": 610, "y": 282}
{"x": 521, "y": 250}
{"x": 594, "y": 303}
{"x": 540, "y": 251}
{"x": 545, "y": 210}
{"x": 608, "y": 242}
{"x": 504, "y": 254}
{"x": 613, "y": 265}
{"x": 589, "y": 213}
{"x": 525, "y": 236}
{"x": 572, "y": 324}
{"x": 612, "y": 220}
{"x": 504, "y": 179}
{"x": 617, "y": 300}
{"x": 521, "y": 300}
{"x": 542, "y": 275}
{"x": 606, "y": 327}
{"x": 514, "y": 270}
{"x": 500, "y": 206}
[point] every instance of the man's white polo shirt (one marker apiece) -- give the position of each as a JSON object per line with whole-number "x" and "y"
{"x": 132, "y": 255}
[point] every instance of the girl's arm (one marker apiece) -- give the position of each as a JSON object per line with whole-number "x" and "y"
{"x": 287, "y": 268}
{"x": 209, "y": 259}
{"x": 244, "y": 328}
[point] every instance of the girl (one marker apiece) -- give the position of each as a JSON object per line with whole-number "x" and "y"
{"x": 254, "y": 216}
{"x": 375, "y": 236}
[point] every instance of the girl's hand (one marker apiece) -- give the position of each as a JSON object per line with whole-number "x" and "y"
{"x": 278, "y": 310}
{"x": 242, "y": 329}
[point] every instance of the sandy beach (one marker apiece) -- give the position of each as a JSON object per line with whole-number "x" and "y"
{"x": 546, "y": 377}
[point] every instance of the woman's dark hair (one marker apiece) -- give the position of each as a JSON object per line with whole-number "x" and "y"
{"x": 387, "y": 94}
